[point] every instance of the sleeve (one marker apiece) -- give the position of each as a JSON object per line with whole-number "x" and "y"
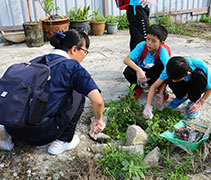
{"x": 164, "y": 75}
{"x": 83, "y": 82}
{"x": 203, "y": 66}
{"x": 135, "y": 54}
{"x": 164, "y": 56}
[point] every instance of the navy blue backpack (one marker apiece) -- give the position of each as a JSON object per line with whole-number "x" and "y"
{"x": 22, "y": 92}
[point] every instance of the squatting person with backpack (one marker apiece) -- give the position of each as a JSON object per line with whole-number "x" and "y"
{"x": 147, "y": 61}
{"x": 68, "y": 85}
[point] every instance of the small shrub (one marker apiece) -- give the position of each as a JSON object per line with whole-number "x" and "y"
{"x": 205, "y": 19}
{"x": 123, "y": 166}
{"x": 111, "y": 19}
{"x": 123, "y": 22}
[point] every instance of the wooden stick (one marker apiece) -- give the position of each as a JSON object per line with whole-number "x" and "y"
{"x": 30, "y": 16}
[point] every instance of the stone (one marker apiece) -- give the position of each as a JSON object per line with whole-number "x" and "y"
{"x": 152, "y": 158}
{"x": 135, "y": 135}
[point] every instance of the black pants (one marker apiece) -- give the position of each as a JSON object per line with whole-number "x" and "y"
{"x": 61, "y": 126}
{"x": 152, "y": 73}
{"x": 139, "y": 24}
{"x": 192, "y": 88}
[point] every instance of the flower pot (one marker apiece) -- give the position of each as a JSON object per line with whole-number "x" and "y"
{"x": 34, "y": 34}
{"x": 111, "y": 28}
{"x": 50, "y": 27}
{"x": 82, "y": 25}
{"x": 97, "y": 28}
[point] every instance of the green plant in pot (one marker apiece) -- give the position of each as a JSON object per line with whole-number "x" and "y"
{"x": 111, "y": 24}
{"x": 53, "y": 22}
{"x": 97, "y": 23}
{"x": 79, "y": 19}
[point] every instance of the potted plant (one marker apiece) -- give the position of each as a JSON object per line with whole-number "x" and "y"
{"x": 33, "y": 31}
{"x": 111, "y": 24}
{"x": 53, "y": 22}
{"x": 79, "y": 19}
{"x": 97, "y": 23}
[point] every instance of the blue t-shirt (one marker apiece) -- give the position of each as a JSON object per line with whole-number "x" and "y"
{"x": 193, "y": 63}
{"x": 135, "y": 3}
{"x": 67, "y": 76}
{"x": 149, "y": 60}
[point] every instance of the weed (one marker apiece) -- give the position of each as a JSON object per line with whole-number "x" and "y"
{"x": 205, "y": 19}
{"x": 122, "y": 113}
{"x": 123, "y": 165}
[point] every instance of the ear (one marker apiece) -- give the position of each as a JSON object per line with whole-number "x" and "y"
{"x": 189, "y": 71}
{"x": 72, "y": 51}
{"x": 162, "y": 43}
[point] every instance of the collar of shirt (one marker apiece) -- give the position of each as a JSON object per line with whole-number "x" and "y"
{"x": 60, "y": 52}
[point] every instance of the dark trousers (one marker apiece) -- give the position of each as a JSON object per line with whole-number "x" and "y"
{"x": 192, "y": 88}
{"x": 152, "y": 73}
{"x": 60, "y": 126}
{"x": 139, "y": 24}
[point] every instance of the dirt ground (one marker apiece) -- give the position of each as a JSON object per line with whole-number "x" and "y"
{"x": 105, "y": 64}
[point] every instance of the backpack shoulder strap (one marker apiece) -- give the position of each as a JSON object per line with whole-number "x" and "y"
{"x": 144, "y": 53}
{"x": 157, "y": 53}
{"x": 44, "y": 60}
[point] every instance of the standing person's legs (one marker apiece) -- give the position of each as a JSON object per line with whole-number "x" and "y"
{"x": 139, "y": 24}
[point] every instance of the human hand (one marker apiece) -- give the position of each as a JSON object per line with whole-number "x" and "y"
{"x": 145, "y": 2}
{"x": 159, "y": 101}
{"x": 194, "y": 107}
{"x": 147, "y": 113}
{"x": 141, "y": 77}
{"x": 96, "y": 126}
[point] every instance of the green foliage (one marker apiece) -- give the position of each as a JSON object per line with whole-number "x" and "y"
{"x": 96, "y": 17}
{"x": 122, "y": 113}
{"x": 205, "y": 19}
{"x": 79, "y": 14}
{"x": 111, "y": 19}
{"x": 175, "y": 28}
{"x": 123, "y": 22}
{"x": 123, "y": 165}
{"x": 161, "y": 121}
{"x": 48, "y": 6}
{"x": 185, "y": 164}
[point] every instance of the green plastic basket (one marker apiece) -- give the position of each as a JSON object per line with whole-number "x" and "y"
{"x": 188, "y": 146}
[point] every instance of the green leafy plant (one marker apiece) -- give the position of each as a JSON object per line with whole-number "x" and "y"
{"x": 111, "y": 19}
{"x": 122, "y": 22}
{"x": 123, "y": 165}
{"x": 48, "y": 6}
{"x": 176, "y": 28}
{"x": 205, "y": 19}
{"x": 122, "y": 113}
{"x": 96, "y": 17}
{"x": 161, "y": 121}
{"x": 79, "y": 14}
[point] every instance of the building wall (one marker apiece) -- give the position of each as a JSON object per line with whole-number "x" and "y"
{"x": 15, "y": 12}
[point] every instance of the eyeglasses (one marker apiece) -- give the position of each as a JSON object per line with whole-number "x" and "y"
{"x": 85, "y": 51}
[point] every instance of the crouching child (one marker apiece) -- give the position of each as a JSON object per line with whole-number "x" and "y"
{"x": 146, "y": 62}
{"x": 189, "y": 79}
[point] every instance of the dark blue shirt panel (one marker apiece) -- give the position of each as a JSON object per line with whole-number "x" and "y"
{"x": 66, "y": 76}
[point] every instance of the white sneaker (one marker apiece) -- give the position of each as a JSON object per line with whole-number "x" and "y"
{"x": 5, "y": 139}
{"x": 58, "y": 146}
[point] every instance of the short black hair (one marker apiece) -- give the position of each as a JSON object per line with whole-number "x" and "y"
{"x": 159, "y": 31}
{"x": 70, "y": 38}
{"x": 177, "y": 67}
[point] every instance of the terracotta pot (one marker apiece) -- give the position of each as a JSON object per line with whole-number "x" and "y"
{"x": 50, "y": 27}
{"x": 34, "y": 34}
{"x": 98, "y": 28}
